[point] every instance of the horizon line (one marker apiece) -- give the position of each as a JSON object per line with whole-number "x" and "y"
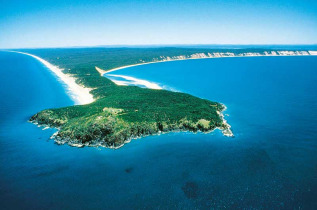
{"x": 154, "y": 45}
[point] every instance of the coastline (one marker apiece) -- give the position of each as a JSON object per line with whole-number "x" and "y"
{"x": 134, "y": 81}
{"x": 84, "y": 97}
{"x": 79, "y": 94}
{"x": 218, "y": 55}
{"x": 225, "y": 130}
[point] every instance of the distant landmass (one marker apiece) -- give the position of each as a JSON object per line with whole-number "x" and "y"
{"x": 110, "y": 115}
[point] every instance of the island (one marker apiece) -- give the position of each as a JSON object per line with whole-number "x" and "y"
{"x": 116, "y": 114}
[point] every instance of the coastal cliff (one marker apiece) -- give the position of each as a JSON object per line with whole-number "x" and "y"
{"x": 232, "y": 54}
{"x": 211, "y": 54}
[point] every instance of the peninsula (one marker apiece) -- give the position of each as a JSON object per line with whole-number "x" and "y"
{"x": 117, "y": 114}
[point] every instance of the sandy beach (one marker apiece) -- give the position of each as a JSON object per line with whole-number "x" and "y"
{"x": 123, "y": 67}
{"x": 134, "y": 81}
{"x": 80, "y": 95}
{"x": 209, "y": 56}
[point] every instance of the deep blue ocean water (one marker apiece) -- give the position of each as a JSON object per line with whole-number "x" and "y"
{"x": 271, "y": 162}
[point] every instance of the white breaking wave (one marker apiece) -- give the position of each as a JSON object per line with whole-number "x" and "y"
{"x": 79, "y": 94}
{"x": 134, "y": 81}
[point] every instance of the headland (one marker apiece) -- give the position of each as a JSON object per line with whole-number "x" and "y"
{"x": 116, "y": 114}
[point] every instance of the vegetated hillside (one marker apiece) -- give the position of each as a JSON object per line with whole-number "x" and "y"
{"x": 121, "y": 112}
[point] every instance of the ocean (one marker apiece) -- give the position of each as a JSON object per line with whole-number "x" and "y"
{"x": 271, "y": 162}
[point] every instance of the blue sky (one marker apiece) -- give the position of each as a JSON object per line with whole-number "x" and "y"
{"x": 59, "y": 23}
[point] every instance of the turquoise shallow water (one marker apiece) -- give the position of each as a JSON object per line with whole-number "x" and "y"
{"x": 271, "y": 163}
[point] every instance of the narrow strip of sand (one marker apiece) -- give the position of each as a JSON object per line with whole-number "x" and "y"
{"x": 180, "y": 58}
{"x": 79, "y": 94}
{"x": 101, "y": 71}
{"x": 134, "y": 81}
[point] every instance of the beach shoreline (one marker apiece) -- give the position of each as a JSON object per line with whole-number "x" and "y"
{"x": 79, "y": 94}
{"x": 134, "y": 81}
{"x": 182, "y": 58}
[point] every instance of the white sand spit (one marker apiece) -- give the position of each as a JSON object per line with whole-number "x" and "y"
{"x": 79, "y": 94}
{"x": 134, "y": 81}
